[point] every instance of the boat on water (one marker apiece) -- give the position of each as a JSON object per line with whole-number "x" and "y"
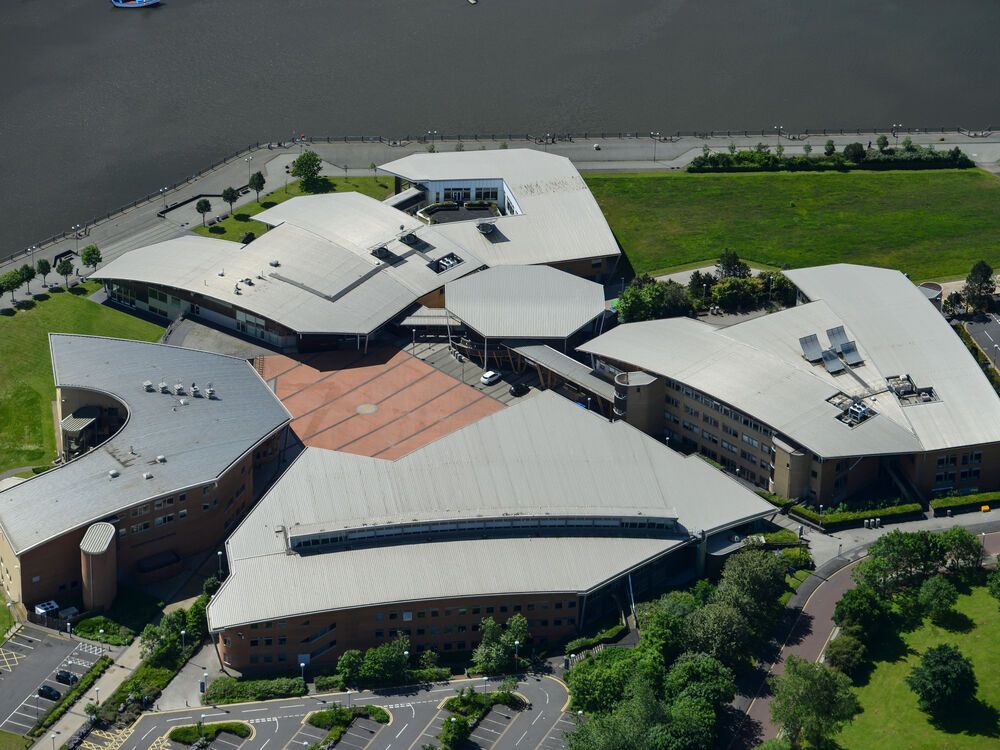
{"x": 135, "y": 3}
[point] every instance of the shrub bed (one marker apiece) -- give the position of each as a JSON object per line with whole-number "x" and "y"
{"x": 114, "y": 633}
{"x": 329, "y": 682}
{"x": 587, "y": 642}
{"x": 849, "y": 518}
{"x": 776, "y": 500}
{"x": 474, "y": 706}
{"x": 232, "y": 690}
{"x": 337, "y": 720}
{"x": 71, "y": 696}
{"x": 190, "y": 734}
{"x": 980, "y": 356}
{"x": 428, "y": 674}
{"x": 761, "y": 159}
{"x": 965, "y": 503}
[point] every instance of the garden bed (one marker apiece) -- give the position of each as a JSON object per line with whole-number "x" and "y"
{"x": 191, "y": 733}
{"x": 853, "y": 518}
{"x": 965, "y": 503}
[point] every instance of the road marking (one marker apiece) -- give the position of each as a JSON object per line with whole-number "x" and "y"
{"x": 219, "y": 713}
{"x": 181, "y": 718}
{"x": 538, "y": 717}
{"x": 11, "y": 721}
{"x": 295, "y": 705}
{"x": 402, "y": 730}
{"x": 988, "y": 335}
{"x": 251, "y": 710}
{"x": 265, "y": 743}
{"x": 146, "y": 734}
{"x": 521, "y": 738}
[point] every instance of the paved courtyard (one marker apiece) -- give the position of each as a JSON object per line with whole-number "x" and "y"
{"x": 385, "y": 404}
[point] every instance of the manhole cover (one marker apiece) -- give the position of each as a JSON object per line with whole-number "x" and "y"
{"x": 367, "y": 409}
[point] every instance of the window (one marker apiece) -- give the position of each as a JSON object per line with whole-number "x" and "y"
{"x": 254, "y": 642}
{"x": 183, "y": 513}
{"x": 407, "y": 616}
{"x": 283, "y": 640}
{"x": 379, "y": 633}
{"x": 486, "y": 194}
{"x": 379, "y": 616}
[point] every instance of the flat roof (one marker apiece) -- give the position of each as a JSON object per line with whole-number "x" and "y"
{"x": 568, "y": 368}
{"x": 758, "y": 367}
{"x": 326, "y": 279}
{"x": 199, "y": 440}
{"x": 543, "y": 457}
{"x": 525, "y": 302}
{"x": 560, "y": 219}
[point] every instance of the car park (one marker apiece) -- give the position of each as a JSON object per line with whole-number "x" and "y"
{"x": 66, "y": 678}
{"x": 490, "y": 377}
{"x": 518, "y": 389}
{"x": 49, "y": 693}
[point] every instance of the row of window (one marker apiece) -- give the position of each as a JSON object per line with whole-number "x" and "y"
{"x": 477, "y": 610}
{"x": 721, "y": 408}
{"x": 948, "y": 477}
{"x": 976, "y": 457}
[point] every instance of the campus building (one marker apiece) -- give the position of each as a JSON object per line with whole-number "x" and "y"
{"x": 336, "y": 269}
{"x": 542, "y": 509}
{"x": 862, "y": 386}
{"x": 163, "y": 451}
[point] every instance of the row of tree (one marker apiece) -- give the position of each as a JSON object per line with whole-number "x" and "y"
{"x": 977, "y": 294}
{"x": 14, "y": 279}
{"x": 732, "y": 287}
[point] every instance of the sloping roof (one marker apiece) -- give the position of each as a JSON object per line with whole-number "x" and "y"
{"x": 199, "y": 440}
{"x": 560, "y": 219}
{"x": 326, "y": 280}
{"x": 527, "y": 302}
{"x": 757, "y": 366}
{"x": 544, "y": 456}
{"x": 568, "y": 368}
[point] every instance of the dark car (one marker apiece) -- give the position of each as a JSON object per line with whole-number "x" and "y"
{"x": 519, "y": 389}
{"x": 49, "y": 693}
{"x": 66, "y": 678}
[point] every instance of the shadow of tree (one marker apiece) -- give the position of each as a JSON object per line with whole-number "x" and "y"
{"x": 79, "y": 291}
{"x": 972, "y": 718}
{"x": 241, "y": 217}
{"x": 57, "y": 290}
{"x": 217, "y": 229}
{"x": 268, "y": 204}
{"x": 955, "y": 621}
{"x": 40, "y": 297}
{"x": 9, "y": 312}
{"x": 737, "y": 731}
{"x": 25, "y": 304}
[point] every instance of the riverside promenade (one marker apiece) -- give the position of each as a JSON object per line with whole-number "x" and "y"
{"x": 171, "y": 212}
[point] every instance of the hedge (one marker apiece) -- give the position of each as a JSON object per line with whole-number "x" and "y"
{"x": 965, "y": 503}
{"x": 776, "y": 500}
{"x": 856, "y": 517}
{"x": 337, "y": 720}
{"x": 232, "y": 690}
{"x": 71, "y": 696}
{"x": 474, "y": 706}
{"x": 191, "y": 733}
{"x": 330, "y": 682}
{"x": 587, "y": 642}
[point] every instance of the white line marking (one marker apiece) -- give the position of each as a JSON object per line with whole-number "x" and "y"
{"x": 521, "y": 738}
{"x": 538, "y": 717}
{"x": 219, "y": 713}
{"x": 11, "y": 721}
{"x": 252, "y": 710}
{"x": 147, "y": 733}
{"x": 988, "y": 335}
{"x": 265, "y": 743}
{"x": 295, "y": 705}
{"x": 402, "y": 730}
{"x": 181, "y": 718}
{"x": 546, "y": 698}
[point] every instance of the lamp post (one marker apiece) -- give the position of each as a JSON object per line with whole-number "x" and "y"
{"x": 655, "y": 135}
{"x": 219, "y": 555}
{"x": 163, "y": 194}
{"x": 348, "y": 699}
{"x": 183, "y": 641}
{"x": 204, "y": 681}
{"x": 53, "y": 738}
{"x": 579, "y": 716}
{"x": 76, "y": 237}
{"x": 777, "y": 129}
{"x": 248, "y": 160}
{"x": 302, "y": 666}
{"x": 516, "y": 644}
{"x": 98, "y": 699}
{"x": 895, "y": 131}
{"x": 996, "y": 348}
{"x": 486, "y": 685}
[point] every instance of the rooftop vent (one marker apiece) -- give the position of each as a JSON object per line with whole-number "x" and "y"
{"x": 485, "y": 227}
{"x": 164, "y": 388}
{"x": 147, "y": 475}
{"x": 210, "y": 391}
{"x": 274, "y": 263}
{"x": 183, "y": 402}
{"x": 382, "y": 252}
{"x": 222, "y": 272}
{"x": 409, "y": 239}
{"x": 195, "y": 391}
{"x": 113, "y": 473}
{"x": 178, "y": 389}
{"x": 147, "y": 385}
{"x": 161, "y": 459}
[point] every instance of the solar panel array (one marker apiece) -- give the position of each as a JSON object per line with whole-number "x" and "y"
{"x": 838, "y": 337}
{"x": 851, "y": 354}
{"x": 832, "y": 362}
{"x": 811, "y": 349}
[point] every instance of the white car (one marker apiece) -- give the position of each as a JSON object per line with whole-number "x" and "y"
{"x": 490, "y": 377}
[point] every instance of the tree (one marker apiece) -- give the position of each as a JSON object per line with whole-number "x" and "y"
{"x": 349, "y": 666}
{"x": 663, "y": 635}
{"x": 307, "y": 167}
{"x": 882, "y": 142}
{"x": 828, "y": 148}
{"x": 720, "y": 630}
{"x": 807, "y": 149}
{"x": 854, "y": 152}
{"x": 428, "y": 658}
{"x": 203, "y": 206}
{"x": 700, "y": 284}
{"x": 937, "y": 597}
{"x": 454, "y": 732}
{"x": 899, "y": 561}
{"x": 846, "y": 653}
{"x": 374, "y": 168}
{"x": 735, "y": 293}
{"x": 629, "y": 725}
{"x": 812, "y": 702}
{"x": 700, "y": 676}
{"x": 648, "y": 299}
{"x": 10, "y": 282}
{"x": 952, "y": 302}
{"x": 598, "y": 682}
{"x": 962, "y": 549}
{"x": 27, "y": 274}
{"x": 691, "y": 725}
{"x": 211, "y": 585}
{"x": 256, "y": 183}
{"x": 752, "y": 582}
{"x": 943, "y": 679}
{"x": 64, "y": 268}
{"x": 230, "y": 195}
{"x": 90, "y": 256}
{"x": 776, "y": 287}
{"x": 908, "y": 145}
{"x": 861, "y": 607}
{"x": 496, "y": 648}
{"x": 460, "y": 146}
{"x": 387, "y": 662}
{"x": 979, "y": 287}
{"x": 993, "y": 584}
{"x": 729, "y": 265}
{"x": 44, "y": 268}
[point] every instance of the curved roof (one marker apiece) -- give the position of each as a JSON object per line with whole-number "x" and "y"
{"x": 198, "y": 439}
{"x": 98, "y": 538}
{"x": 544, "y": 457}
{"x": 524, "y": 302}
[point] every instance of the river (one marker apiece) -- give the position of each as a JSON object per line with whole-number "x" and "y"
{"x": 99, "y": 106}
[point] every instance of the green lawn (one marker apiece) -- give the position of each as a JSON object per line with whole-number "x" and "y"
{"x": 933, "y": 224}
{"x": 11, "y": 741}
{"x": 891, "y": 718}
{"x": 27, "y": 432}
{"x": 240, "y": 222}
{"x": 6, "y": 621}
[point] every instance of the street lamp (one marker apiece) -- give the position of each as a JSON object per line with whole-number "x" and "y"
{"x": 777, "y": 129}
{"x": 183, "y": 643}
{"x": 76, "y": 237}
{"x": 895, "y": 131}
{"x": 996, "y": 348}
{"x": 98, "y": 699}
{"x": 348, "y": 699}
{"x": 516, "y": 644}
{"x": 486, "y": 685}
{"x": 248, "y": 160}
{"x": 219, "y": 554}
{"x": 163, "y": 194}
{"x": 579, "y": 716}
{"x": 655, "y": 136}
{"x": 302, "y": 666}
{"x": 53, "y": 738}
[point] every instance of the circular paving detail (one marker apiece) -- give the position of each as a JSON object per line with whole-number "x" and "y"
{"x": 366, "y": 409}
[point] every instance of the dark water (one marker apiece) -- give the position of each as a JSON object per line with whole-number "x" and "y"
{"x": 98, "y": 106}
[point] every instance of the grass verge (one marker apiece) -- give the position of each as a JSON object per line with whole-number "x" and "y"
{"x": 931, "y": 224}
{"x": 191, "y": 733}
{"x": 11, "y": 741}
{"x": 241, "y": 221}
{"x": 27, "y": 432}
{"x": 890, "y": 716}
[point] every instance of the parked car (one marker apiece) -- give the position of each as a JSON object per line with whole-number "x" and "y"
{"x": 49, "y": 693}
{"x": 519, "y": 389}
{"x": 66, "y": 678}
{"x": 490, "y": 377}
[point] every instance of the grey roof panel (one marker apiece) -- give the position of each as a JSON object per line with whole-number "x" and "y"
{"x": 568, "y": 368}
{"x": 832, "y": 362}
{"x": 851, "y": 354}
{"x": 811, "y": 349}
{"x": 838, "y": 337}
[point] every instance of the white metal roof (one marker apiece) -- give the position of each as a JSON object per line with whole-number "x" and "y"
{"x": 560, "y": 222}
{"x": 544, "y": 456}
{"x": 568, "y": 368}
{"x": 527, "y": 302}
{"x": 757, "y": 366}
{"x": 97, "y": 538}
{"x": 198, "y": 441}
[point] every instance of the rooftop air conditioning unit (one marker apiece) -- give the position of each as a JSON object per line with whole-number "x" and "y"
{"x": 274, "y": 263}
{"x": 147, "y": 385}
{"x": 210, "y": 391}
{"x": 164, "y": 388}
{"x": 178, "y": 389}
{"x": 409, "y": 239}
{"x": 485, "y": 227}
{"x": 113, "y": 473}
{"x": 161, "y": 459}
{"x": 147, "y": 475}
{"x": 183, "y": 402}
{"x": 195, "y": 391}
